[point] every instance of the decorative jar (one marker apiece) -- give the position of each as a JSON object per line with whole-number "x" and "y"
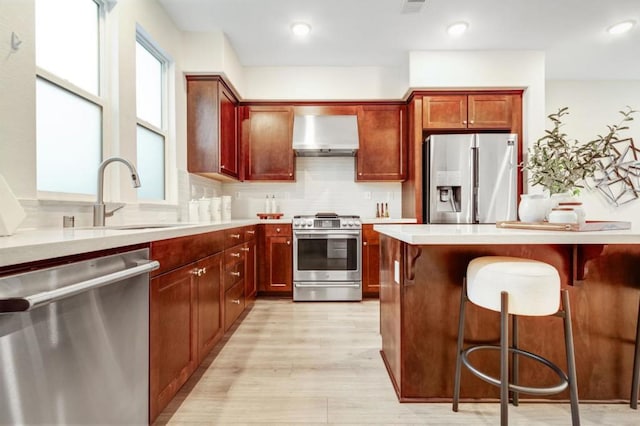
{"x": 532, "y": 207}
{"x": 563, "y": 215}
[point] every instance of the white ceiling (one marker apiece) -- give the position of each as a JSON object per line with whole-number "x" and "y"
{"x": 376, "y": 33}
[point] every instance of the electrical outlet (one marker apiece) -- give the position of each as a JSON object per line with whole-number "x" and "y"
{"x": 367, "y": 195}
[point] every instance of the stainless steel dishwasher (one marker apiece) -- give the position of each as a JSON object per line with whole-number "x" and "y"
{"x": 74, "y": 342}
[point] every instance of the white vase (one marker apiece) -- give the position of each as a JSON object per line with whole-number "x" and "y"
{"x": 532, "y": 207}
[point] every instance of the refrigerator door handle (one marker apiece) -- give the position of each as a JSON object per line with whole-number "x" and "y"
{"x": 476, "y": 179}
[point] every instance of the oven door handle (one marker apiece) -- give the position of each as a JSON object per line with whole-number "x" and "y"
{"x": 299, "y": 285}
{"x": 326, "y": 235}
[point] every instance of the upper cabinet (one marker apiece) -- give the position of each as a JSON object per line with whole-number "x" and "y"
{"x": 267, "y": 134}
{"x": 382, "y": 154}
{"x": 212, "y": 128}
{"x": 473, "y": 111}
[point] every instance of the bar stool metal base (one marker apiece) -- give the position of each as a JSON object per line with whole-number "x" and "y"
{"x": 567, "y": 380}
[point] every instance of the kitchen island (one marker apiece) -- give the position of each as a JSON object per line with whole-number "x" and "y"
{"x": 421, "y": 273}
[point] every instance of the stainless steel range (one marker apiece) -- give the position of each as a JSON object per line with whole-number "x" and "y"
{"x": 327, "y": 258}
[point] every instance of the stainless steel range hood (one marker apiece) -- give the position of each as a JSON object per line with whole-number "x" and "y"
{"x": 325, "y": 135}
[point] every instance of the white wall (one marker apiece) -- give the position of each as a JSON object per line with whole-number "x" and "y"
{"x": 17, "y": 98}
{"x": 592, "y": 106}
{"x": 330, "y": 83}
{"x": 487, "y": 69}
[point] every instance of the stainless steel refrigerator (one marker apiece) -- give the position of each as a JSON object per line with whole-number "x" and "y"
{"x": 470, "y": 178}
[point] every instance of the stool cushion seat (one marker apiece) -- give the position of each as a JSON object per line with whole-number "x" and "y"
{"x": 533, "y": 286}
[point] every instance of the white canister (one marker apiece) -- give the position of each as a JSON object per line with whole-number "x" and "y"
{"x": 576, "y": 206}
{"x": 204, "y": 213}
{"x": 532, "y": 207}
{"x": 216, "y": 209}
{"x": 193, "y": 211}
{"x": 226, "y": 208}
{"x": 563, "y": 215}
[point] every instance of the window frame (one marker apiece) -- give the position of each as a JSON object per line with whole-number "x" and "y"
{"x": 146, "y": 41}
{"x": 100, "y": 100}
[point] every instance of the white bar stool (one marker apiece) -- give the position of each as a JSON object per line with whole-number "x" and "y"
{"x": 515, "y": 286}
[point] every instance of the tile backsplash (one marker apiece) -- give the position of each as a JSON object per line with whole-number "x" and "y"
{"x": 322, "y": 184}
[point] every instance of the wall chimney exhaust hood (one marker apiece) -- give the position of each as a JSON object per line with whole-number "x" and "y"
{"x": 325, "y": 135}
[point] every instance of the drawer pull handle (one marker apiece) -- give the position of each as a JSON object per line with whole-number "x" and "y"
{"x": 236, "y": 236}
{"x": 204, "y": 270}
{"x": 235, "y": 274}
{"x": 364, "y": 244}
{"x": 235, "y": 254}
{"x": 278, "y": 285}
{"x": 196, "y": 272}
{"x": 277, "y": 229}
{"x": 288, "y": 243}
{"x": 236, "y": 301}
{"x": 251, "y": 232}
{"x": 244, "y": 248}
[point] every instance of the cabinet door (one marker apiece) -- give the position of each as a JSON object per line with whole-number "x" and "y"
{"x": 279, "y": 258}
{"x": 382, "y": 152}
{"x": 209, "y": 304}
{"x": 212, "y": 142}
{"x": 228, "y": 133}
{"x": 444, "y": 112}
{"x": 202, "y": 126}
{"x": 172, "y": 333}
{"x": 269, "y": 152}
{"x": 370, "y": 261}
{"x": 490, "y": 111}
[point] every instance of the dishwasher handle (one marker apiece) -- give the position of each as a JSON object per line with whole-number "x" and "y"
{"x": 26, "y": 303}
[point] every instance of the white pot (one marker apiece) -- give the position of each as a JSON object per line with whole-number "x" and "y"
{"x": 532, "y": 207}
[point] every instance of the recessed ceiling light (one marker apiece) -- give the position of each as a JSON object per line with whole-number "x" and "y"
{"x": 300, "y": 29}
{"x": 620, "y": 28}
{"x": 457, "y": 28}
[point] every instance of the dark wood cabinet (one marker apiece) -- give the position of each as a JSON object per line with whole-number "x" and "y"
{"x": 172, "y": 334}
{"x": 382, "y": 152}
{"x": 185, "y": 311}
{"x": 370, "y": 261}
{"x": 276, "y": 265}
{"x": 468, "y": 111}
{"x": 209, "y": 291}
{"x": 250, "y": 264}
{"x": 267, "y": 135}
{"x": 212, "y": 128}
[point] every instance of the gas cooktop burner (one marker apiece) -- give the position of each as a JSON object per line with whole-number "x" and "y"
{"x": 323, "y": 215}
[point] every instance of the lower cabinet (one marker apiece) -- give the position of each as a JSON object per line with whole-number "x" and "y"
{"x": 209, "y": 291}
{"x": 370, "y": 261}
{"x": 172, "y": 334}
{"x": 276, "y": 265}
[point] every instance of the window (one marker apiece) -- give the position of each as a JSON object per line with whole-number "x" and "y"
{"x": 151, "y": 110}
{"x": 69, "y": 106}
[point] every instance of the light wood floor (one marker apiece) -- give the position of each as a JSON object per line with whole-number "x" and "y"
{"x": 319, "y": 363}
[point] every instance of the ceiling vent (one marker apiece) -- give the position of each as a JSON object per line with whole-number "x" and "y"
{"x": 412, "y": 6}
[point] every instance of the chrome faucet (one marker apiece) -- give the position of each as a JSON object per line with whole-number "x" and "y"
{"x": 99, "y": 209}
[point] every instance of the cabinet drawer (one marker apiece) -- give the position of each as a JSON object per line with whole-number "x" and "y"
{"x": 233, "y": 274}
{"x": 234, "y": 255}
{"x": 274, "y": 230}
{"x": 233, "y": 237}
{"x": 233, "y": 304}
{"x": 250, "y": 232}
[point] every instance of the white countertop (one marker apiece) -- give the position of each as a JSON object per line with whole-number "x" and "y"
{"x": 453, "y": 234}
{"x": 38, "y": 244}
{"x": 47, "y": 243}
